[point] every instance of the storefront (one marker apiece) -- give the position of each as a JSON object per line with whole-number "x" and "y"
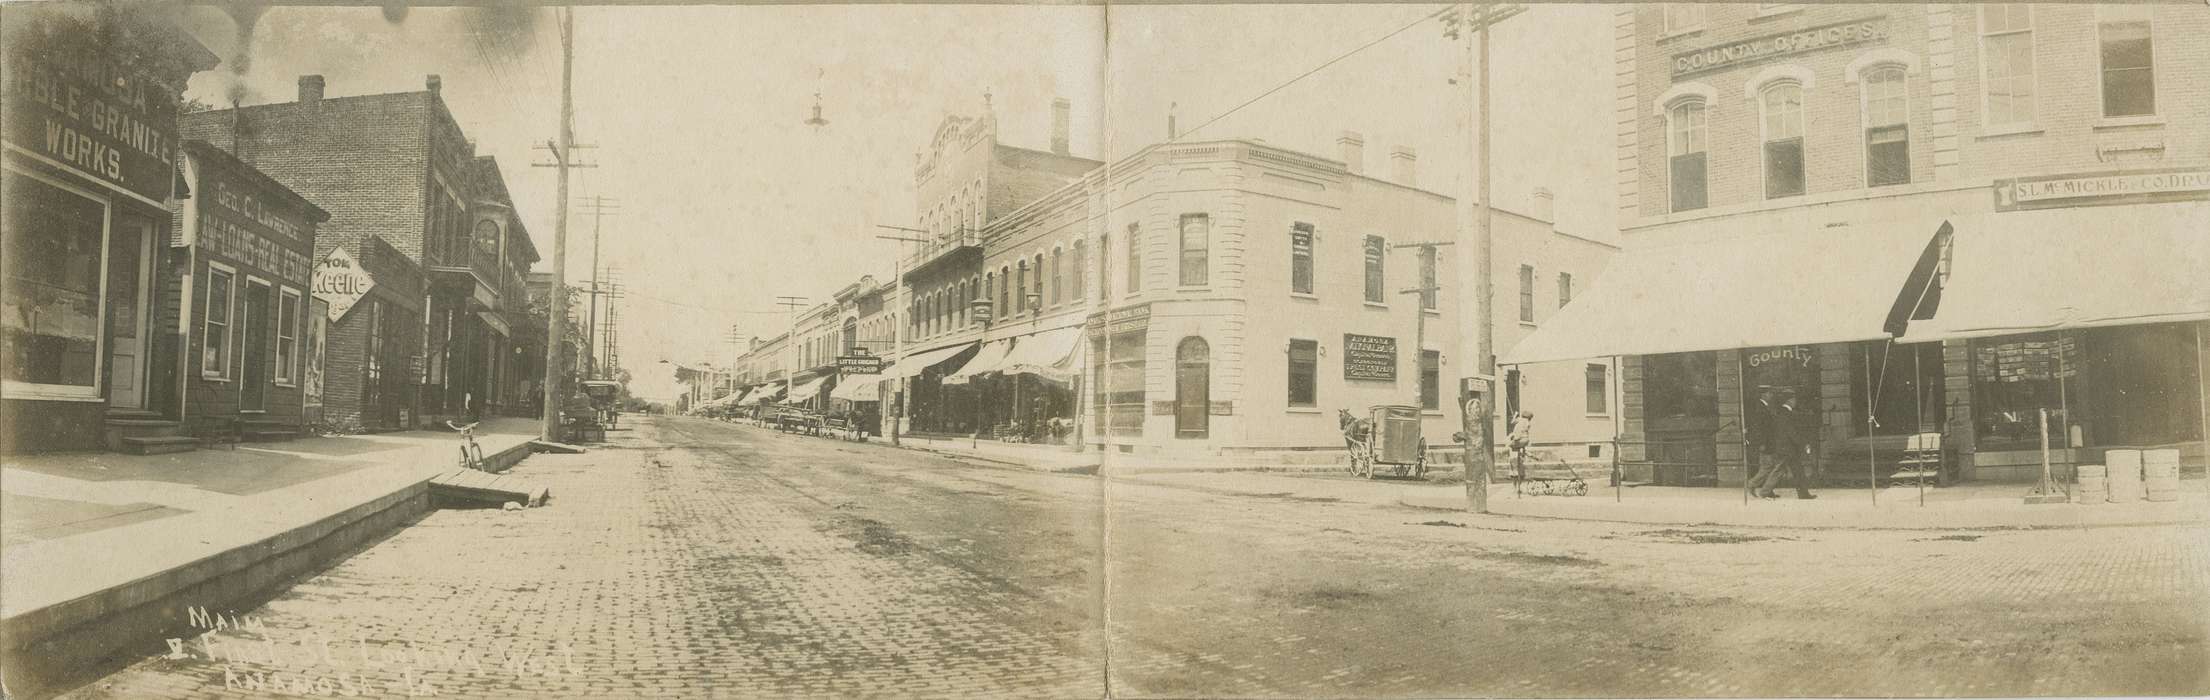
{"x": 247, "y": 240}
{"x": 89, "y": 167}
{"x": 372, "y": 358}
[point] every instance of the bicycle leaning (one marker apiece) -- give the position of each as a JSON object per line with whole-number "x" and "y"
{"x": 471, "y": 454}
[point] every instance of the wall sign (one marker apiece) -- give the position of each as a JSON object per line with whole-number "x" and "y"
{"x": 859, "y": 364}
{"x": 1799, "y": 355}
{"x": 2100, "y": 188}
{"x": 1788, "y": 44}
{"x": 1369, "y": 357}
{"x": 340, "y": 280}
{"x": 94, "y": 115}
{"x": 1123, "y": 320}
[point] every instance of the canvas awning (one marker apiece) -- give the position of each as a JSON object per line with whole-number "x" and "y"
{"x": 2078, "y": 267}
{"x": 769, "y": 393}
{"x": 1761, "y": 289}
{"x": 988, "y": 359}
{"x": 857, "y": 387}
{"x": 806, "y": 390}
{"x": 914, "y": 364}
{"x": 1049, "y": 354}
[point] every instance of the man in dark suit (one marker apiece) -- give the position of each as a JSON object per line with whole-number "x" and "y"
{"x": 1790, "y": 443}
{"x": 1758, "y": 431}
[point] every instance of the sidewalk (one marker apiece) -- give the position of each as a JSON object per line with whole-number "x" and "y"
{"x": 126, "y": 544}
{"x": 1967, "y": 506}
{"x": 1051, "y": 458}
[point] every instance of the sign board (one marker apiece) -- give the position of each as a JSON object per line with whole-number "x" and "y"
{"x": 1223, "y": 408}
{"x": 980, "y": 312}
{"x": 1122, "y": 320}
{"x": 1799, "y": 355}
{"x": 859, "y": 364}
{"x": 2111, "y": 188}
{"x": 318, "y": 336}
{"x": 90, "y": 112}
{"x": 1737, "y": 53}
{"x": 340, "y": 280}
{"x": 1369, "y": 357}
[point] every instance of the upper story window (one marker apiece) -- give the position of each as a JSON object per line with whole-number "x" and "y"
{"x": 2128, "y": 60}
{"x": 1428, "y": 287}
{"x": 1020, "y": 287}
{"x": 1683, "y": 17}
{"x": 1196, "y": 245}
{"x": 1565, "y": 289}
{"x": 1526, "y": 294}
{"x": 1058, "y": 275}
{"x": 1887, "y": 127}
{"x": 1376, "y": 250}
{"x": 1782, "y": 108}
{"x": 1300, "y": 258}
{"x": 1078, "y": 269}
{"x": 2007, "y": 63}
{"x": 1685, "y": 146}
{"x": 1105, "y": 267}
{"x": 1135, "y": 258}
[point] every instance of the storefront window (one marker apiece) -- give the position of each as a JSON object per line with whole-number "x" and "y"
{"x": 1120, "y": 394}
{"x": 54, "y": 240}
{"x": 1680, "y": 385}
{"x": 1304, "y": 365}
{"x": 1907, "y": 397}
{"x": 222, "y": 285}
{"x": 2128, "y": 386}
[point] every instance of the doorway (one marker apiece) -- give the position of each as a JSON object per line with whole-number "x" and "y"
{"x": 1192, "y": 389}
{"x": 129, "y": 269}
{"x": 253, "y": 382}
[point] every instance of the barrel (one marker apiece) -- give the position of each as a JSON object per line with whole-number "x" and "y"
{"x": 2125, "y": 475}
{"x": 2093, "y": 470}
{"x": 2160, "y": 475}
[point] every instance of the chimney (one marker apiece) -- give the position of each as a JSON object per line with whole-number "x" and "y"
{"x": 1059, "y": 117}
{"x": 1545, "y": 205}
{"x": 433, "y": 83}
{"x": 1403, "y": 161}
{"x": 1351, "y": 147}
{"x": 310, "y": 89}
{"x": 1171, "y": 132}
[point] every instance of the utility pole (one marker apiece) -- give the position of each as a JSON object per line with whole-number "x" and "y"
{"x": 556, "y": 314}
{"x": 610, "y": 341}
{"x": 1419, "y": 311}
{"x": 790, "y": 343}
{"x": 1477, "y": 396}
{"x": 599, "y": 207}
{"x": 897, "y": 345}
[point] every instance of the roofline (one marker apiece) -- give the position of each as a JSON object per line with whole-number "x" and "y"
{"x": 199, "y": 148}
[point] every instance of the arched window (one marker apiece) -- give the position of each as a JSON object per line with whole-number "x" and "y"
{"x": 1039, "y": 291}
{"x": 1685, "y": 145}
{"x": 1887, "y": 126}
{"x": 1075, "y": 286}
{"x": 989, "y": 291}
{"x": 1192, "y": 389}
{"x": 1020, "y": 286}
{"x": 1781, "y": 109}
{"x": 1058, "y": 275}
{"x": 1005, "y": 289}
{"x": 851, "y": 336}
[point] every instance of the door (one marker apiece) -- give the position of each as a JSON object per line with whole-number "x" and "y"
{"x": 253, "y": 382}
{"x": 128, "y": 285}
{"x": 1192, "y": 389}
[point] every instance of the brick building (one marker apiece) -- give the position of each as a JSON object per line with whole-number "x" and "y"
{"x": 1938, "y": 218}
{"x": 397, "y": 168}
{"x": 90, "y": 109}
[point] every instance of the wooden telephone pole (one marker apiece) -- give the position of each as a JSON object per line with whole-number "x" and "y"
{"x": 556, "y": 313}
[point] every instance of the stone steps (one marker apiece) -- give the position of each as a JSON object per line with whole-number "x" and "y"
{"x": 158, "y": 445}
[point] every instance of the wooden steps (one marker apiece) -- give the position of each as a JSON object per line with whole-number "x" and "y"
{"x": 474, "y": 486}
{"x": 159, "y": 445}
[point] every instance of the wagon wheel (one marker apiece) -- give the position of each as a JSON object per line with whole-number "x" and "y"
{"x": 1419, "y": 465}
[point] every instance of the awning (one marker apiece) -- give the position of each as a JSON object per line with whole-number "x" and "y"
{"x": 497, "y": 322}
{"x": 857, "y": 387}
{"x": 2079, "y": 267}
{"x": 1767, "y": 288}
{"x": 806, "y": 390}
{"x": 1049, "y": 354}
{"x": 988, "y": 359}
{"x": 771, "y": 393}
{"x": 915, "y": 363}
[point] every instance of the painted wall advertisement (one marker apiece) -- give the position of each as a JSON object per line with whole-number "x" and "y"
{"x": 1369, "y": 357}
{"x": 73, "y": 107}
{"x": 340, "y": 281}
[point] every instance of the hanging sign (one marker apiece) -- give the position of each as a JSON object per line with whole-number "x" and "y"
{"x": 1369, "y": 357}
{"x": 340, "y": 280}
{"x": 859, "y": 364}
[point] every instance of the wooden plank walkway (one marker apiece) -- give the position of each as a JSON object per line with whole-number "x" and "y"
{"x": 472, "y": 485}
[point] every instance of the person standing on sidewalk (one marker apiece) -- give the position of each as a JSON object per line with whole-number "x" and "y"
{"x": 1789, "y": 445}
{"x": 1523, "y": 437}
{"x": 1759, "y": 427}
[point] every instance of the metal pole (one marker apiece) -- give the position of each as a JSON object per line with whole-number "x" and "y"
{"x": 556, "y": 315}
{"x": 1872, "y": 472}
{"x": 1742, "y": 398}
{"x": 1918, "y": 411}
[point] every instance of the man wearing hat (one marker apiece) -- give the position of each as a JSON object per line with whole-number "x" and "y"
{"x": 1758, "y": 425}
{"x": 1789, "y": 444}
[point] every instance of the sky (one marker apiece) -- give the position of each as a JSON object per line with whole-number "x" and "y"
{"x": 727, "y": 199}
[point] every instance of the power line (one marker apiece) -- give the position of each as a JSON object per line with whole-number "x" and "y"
{"x": 1315, "y": 69}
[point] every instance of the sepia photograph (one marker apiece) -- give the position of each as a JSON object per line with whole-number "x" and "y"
{"x": 1088, "y": 349}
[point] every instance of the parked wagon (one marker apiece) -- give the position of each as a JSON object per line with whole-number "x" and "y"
{"x": 1389, "y": 439}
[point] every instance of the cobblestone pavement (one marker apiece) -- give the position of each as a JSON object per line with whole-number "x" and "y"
{"x": 693, "y": 558}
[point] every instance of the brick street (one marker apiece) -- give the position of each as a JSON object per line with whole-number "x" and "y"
{"x": 697, "y": 558}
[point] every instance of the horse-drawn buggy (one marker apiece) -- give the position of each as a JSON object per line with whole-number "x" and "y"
{"x": 1387, "y": 440}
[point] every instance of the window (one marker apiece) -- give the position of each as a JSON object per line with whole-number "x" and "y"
{"x": 1431, "y": 380}
{"x": 2128, "y": 52}
{"x": 2007, "y": 63}
{"x": 1685, "y": 146}
{"x": 1039, "y": 292}
{"x": 1120, "y": 397}
{"x": 1005, "y": 292}
{"x": 1599, "y": 391}
{"x": 1105, "y": 267}
{"x": 1376, "y": 250}
{"x": 1196, "y": 239}
{"x": 1526, "y": 294}
{"x": 1192, "y": 389}
{"x": 1565, "y": 289}
{"x": 1907, "y": 396}
{"x": 50, "y": 333}
{"x": 1058, "y": 276}
{"x": 989, "y": 291}
{"x": 1680, "y": 385}
{"x": 1304, "y": 370}
{"x": 1135, "y": 259}
{"x": 1782, "y": 107}
{"x": 1428, "y": 282}
{"x": 222, "y": 288}
{"x": 1300, "y": 259}
{"x": 372, "y": 361}
{"x": 1020, "y": 287}
{"x": 1075, "y": 288}
{"x": 1887, "y": 127}
{"x": 287, "y": 335}
{"x": 1683, "y": 17}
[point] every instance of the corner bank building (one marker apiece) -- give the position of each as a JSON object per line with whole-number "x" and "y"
{"x": 1948, "y": 219}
